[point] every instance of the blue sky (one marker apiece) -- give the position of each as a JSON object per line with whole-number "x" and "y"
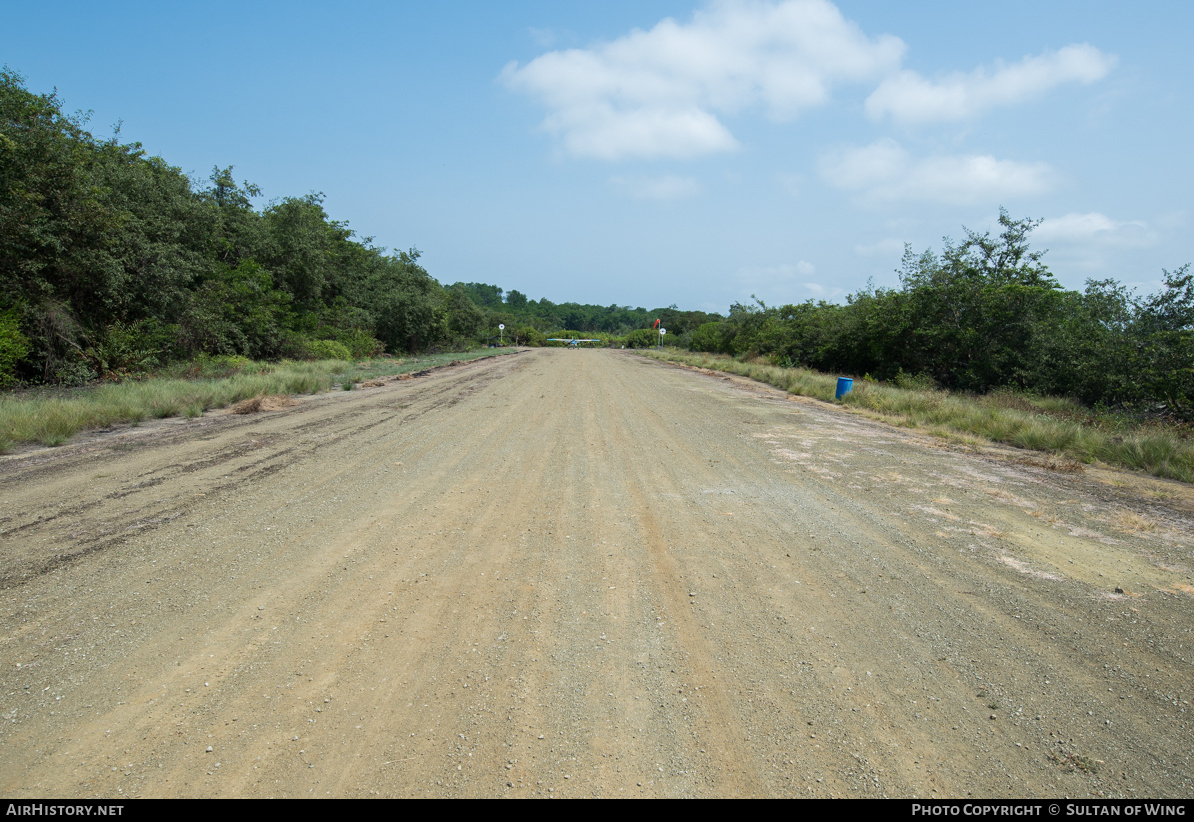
{"x": 649, "y": 153}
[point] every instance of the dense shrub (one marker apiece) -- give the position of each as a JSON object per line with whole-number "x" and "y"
{"x": 118, "y": 263}
{"x": 987, "y": 314}
{"x": 13, "y": 346}
{"x": 328, "y": 350}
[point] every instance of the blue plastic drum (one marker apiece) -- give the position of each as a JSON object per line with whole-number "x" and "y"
{"x": 844, "y": 384}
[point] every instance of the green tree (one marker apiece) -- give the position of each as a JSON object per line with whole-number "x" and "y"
{"x": 1165, "y": 333}
{"x": 404, "y": 299}
{"x": 238, "y": 311}
{"x": 305, "y": 249}
{"x": 13, "y": 346}
{"x": 463, "y": 322}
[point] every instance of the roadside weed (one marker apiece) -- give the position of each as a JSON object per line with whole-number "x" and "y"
{"x": 53, "y": 416}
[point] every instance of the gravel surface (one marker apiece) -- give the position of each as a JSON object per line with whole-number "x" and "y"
{"x": 584, "y": 573}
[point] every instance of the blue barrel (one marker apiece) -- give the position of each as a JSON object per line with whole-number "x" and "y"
{"x": 844, "y": 384}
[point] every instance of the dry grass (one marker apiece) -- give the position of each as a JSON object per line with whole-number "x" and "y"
{"x": 52, "y": 417}
{"x": 254, "y": 405}
{"x": 1133, "y": 523}
{"x": 1052, "y": 462}
{"x": 1069, "y": 763}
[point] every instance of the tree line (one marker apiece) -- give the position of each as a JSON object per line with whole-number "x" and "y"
{"x": 531, "y": 321}
{"x": 113, "y": 262}
{"x": 987, "y": 314}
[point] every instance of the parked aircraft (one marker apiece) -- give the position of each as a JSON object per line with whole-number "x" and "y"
{"x": 572, "y": 342}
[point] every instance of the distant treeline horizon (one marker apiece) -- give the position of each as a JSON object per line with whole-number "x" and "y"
{"x": 113, "y": 263}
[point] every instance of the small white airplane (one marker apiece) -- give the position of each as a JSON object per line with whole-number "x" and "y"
{"x": 575, "y": 343}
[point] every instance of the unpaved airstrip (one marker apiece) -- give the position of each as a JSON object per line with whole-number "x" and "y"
{"x": 585, "y": 573}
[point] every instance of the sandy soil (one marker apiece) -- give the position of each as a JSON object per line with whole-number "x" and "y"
{"x": 584, "y": 573}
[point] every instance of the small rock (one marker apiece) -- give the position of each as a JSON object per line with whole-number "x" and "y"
{"x": 209, "y": 749}
{"x": 260, "y": 607}
{"x": 1119, "y": 590}
{"x": 993, "y": 716}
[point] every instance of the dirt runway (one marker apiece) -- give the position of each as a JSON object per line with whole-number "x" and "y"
{"x": 584, "y": 573}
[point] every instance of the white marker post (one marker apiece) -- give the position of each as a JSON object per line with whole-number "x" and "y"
{"x": 501, "y": 333}
{"x": 662, "y": 331}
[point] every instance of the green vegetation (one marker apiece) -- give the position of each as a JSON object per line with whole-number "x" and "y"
{"x": 114, "y": 264}
{"x": 1049, "y": 424}
{"x": 13, "y": 346}
{"x": 988, "y": 314}
{"x": 52, "y": 416}
{"x": 531, "y": 322}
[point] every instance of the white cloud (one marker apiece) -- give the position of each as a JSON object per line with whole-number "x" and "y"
{"x": 790, "y": 183}
{"x": 910, "y": 98}
{"x": 884, "y": 171}
{"x": 544, "y": 38}
{"x": 784, "y": 282}
{"x": 1095, "y": 245}
{"x": 658, "y": 93}
{"x": 858, "y": 168}
{"x": 1095, "y": 228}
{"x": 823, "y": 292}
{"x": 668, "y": 187}
{"x": 607, "y": 135}
{"x": 783, "y": 273}
{"x": 883, "y": 248}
